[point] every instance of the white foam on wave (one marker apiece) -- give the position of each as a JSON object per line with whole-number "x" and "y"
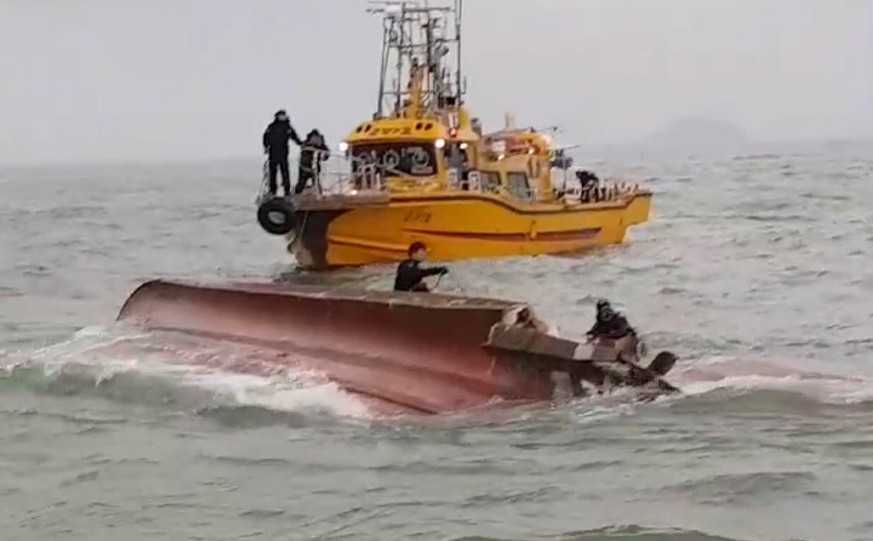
{"x": 298, "y": 392}
{"x": 737, "y": 376}
{"x": 107, "y": 352}
{"x": 745, "y": 374}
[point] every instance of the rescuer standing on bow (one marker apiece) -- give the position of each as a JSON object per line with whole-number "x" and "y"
{"x": 410, "y": 274}
{"x": 275, "y": 141}
{"x": 313, "y": 152}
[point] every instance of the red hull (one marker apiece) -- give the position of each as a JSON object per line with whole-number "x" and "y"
{"x": 421, "y": 352}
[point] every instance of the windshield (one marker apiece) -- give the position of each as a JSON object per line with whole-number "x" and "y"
{"x": 415, "y": 160}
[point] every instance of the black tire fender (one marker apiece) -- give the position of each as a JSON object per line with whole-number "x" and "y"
{"x": 276, "y": 216}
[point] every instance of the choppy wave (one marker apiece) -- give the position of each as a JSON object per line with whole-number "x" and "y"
{"x": 121, "y": 364}
{"x": 737, "y": 258}
{"x": 618, "y": 533}
{"x": 128, "y": 365}
{"x": 758, "y": 376}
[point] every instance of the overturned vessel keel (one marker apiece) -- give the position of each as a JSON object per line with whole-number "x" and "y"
{"x": 429, "y": 353}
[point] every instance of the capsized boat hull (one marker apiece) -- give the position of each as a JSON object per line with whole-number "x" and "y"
{"x": 455, "y": 227}
{"x": 424, "y": 352}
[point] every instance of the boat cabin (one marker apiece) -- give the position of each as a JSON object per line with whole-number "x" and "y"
{"x": 421, "y": 136}
{"x": 447, "y": 151}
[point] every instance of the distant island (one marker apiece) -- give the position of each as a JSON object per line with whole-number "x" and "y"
{"x": 694, "y": 133}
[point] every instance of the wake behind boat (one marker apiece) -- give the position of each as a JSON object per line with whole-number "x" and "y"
{"x": 429, "y": 353}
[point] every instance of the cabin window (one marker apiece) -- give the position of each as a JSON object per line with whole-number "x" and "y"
{"x": 396, "y": 160}
{"x": 490, "y": 181}
{"x": 459, "y": 161}
{"x": 517, "y": 185}
{"x": 457, "y": 157}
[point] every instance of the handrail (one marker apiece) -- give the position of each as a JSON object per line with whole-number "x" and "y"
{"x": 333, "y": 176}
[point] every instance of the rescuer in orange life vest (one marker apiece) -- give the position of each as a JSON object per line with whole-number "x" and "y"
{"x": 409, "y": 272}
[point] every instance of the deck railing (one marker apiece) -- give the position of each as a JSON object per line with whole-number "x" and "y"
{"x": 337, "y": 175}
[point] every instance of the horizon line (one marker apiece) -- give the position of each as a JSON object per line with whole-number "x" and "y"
{"x": 634, "y": 145}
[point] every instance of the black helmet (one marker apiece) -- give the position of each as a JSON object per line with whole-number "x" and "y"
{"x": 280, "y": 112}
{"x": 603, "y": 304}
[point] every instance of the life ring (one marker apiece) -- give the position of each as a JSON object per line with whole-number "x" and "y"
{"x": 276, "y": 216}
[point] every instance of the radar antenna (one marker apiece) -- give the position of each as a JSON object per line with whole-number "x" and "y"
{"x": 416, "y": 42}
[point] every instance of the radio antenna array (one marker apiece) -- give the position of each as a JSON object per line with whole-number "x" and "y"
{"x": 417, "y": 38}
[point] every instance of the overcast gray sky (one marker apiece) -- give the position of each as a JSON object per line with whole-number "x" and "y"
{"x": 84, "y": 80}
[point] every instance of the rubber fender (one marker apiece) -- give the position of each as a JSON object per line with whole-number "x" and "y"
{"x": 276, "y": 216}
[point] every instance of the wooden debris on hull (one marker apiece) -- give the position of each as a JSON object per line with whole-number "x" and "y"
{"x": 594, "y": 365}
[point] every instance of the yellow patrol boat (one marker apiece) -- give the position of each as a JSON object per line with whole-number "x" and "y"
{"x": 422, "y": 169}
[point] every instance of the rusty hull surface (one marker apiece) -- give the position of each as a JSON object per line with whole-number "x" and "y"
{"x": 429, "y": 353}
{"x": 423, "y": 352}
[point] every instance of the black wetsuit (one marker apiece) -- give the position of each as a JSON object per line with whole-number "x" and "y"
{"x": 275, "y": 142}
{"x": 588, "y": 183}
{"x": 311, "y": 156}
{"x": 410, "y": 274}
{"x": 613, "y": 328}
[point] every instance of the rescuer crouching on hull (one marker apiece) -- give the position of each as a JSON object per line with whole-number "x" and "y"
{"x": 612, "y": 327}
{"x": 410, "y": 275}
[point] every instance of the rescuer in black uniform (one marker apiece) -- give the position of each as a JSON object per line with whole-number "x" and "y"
{"x": 409, "y": 272}
{"x": 275, "y": 141}
{"x": 612, "y": 326}
{"x": 313, "y": 152}
{"x": 609, "y": 324}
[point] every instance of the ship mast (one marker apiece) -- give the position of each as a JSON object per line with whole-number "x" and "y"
{"x": 459, "y": 9}
{"x": 416, "y": 42}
